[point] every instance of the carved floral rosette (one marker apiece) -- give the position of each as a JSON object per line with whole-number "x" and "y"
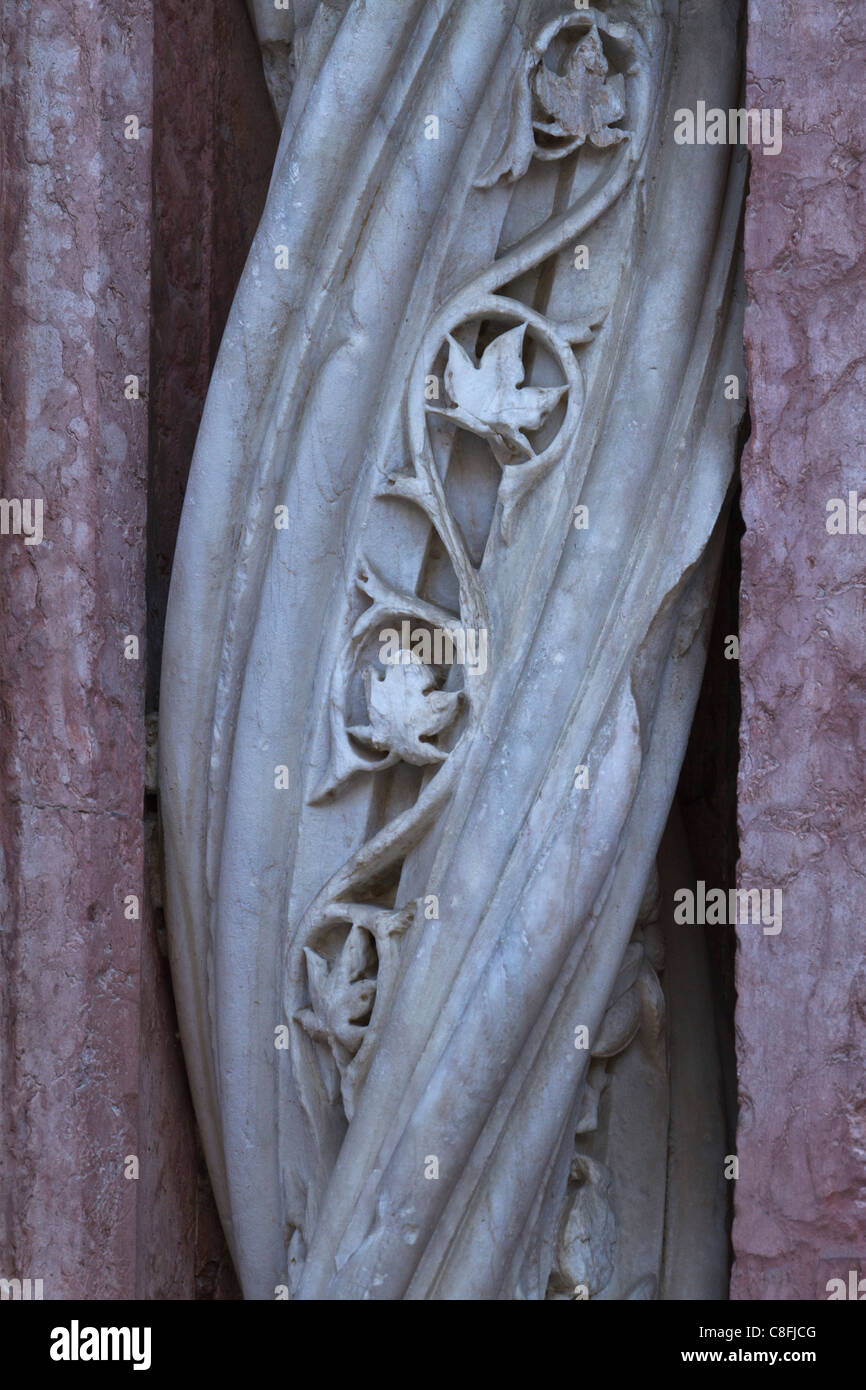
{"x": 479, "y": 403}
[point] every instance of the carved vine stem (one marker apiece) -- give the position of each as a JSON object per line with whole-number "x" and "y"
{"x": 358, "y": 984}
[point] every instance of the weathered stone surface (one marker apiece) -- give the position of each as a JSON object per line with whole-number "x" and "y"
{"x": 91, "y": 1067}
{"x": 214, "y": 142}
{"x": 338, "y": 1038}
{"x": 75, "y": 244}
{"x": 801, "y": 1199}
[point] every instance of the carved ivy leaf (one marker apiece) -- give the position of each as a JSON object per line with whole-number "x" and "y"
{"x": 340, "y": 994}
{"x": 489, "y": 399}
{"x": 586, "y": 1244}
{"x": 586, "y": 100}
{"x": 623, "y": 1014}
{"x": 583, "y": 103}
{"x": 637, "y": 1000}
{"x": 406, "y": 711}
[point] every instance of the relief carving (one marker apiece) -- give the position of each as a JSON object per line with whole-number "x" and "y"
{"x": 430, "y": 902}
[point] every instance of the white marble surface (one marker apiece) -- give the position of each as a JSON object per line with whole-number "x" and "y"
{"x": 392, "y": 903}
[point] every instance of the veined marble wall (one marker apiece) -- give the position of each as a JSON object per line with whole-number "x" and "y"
{"x": 801, "y": 1008}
